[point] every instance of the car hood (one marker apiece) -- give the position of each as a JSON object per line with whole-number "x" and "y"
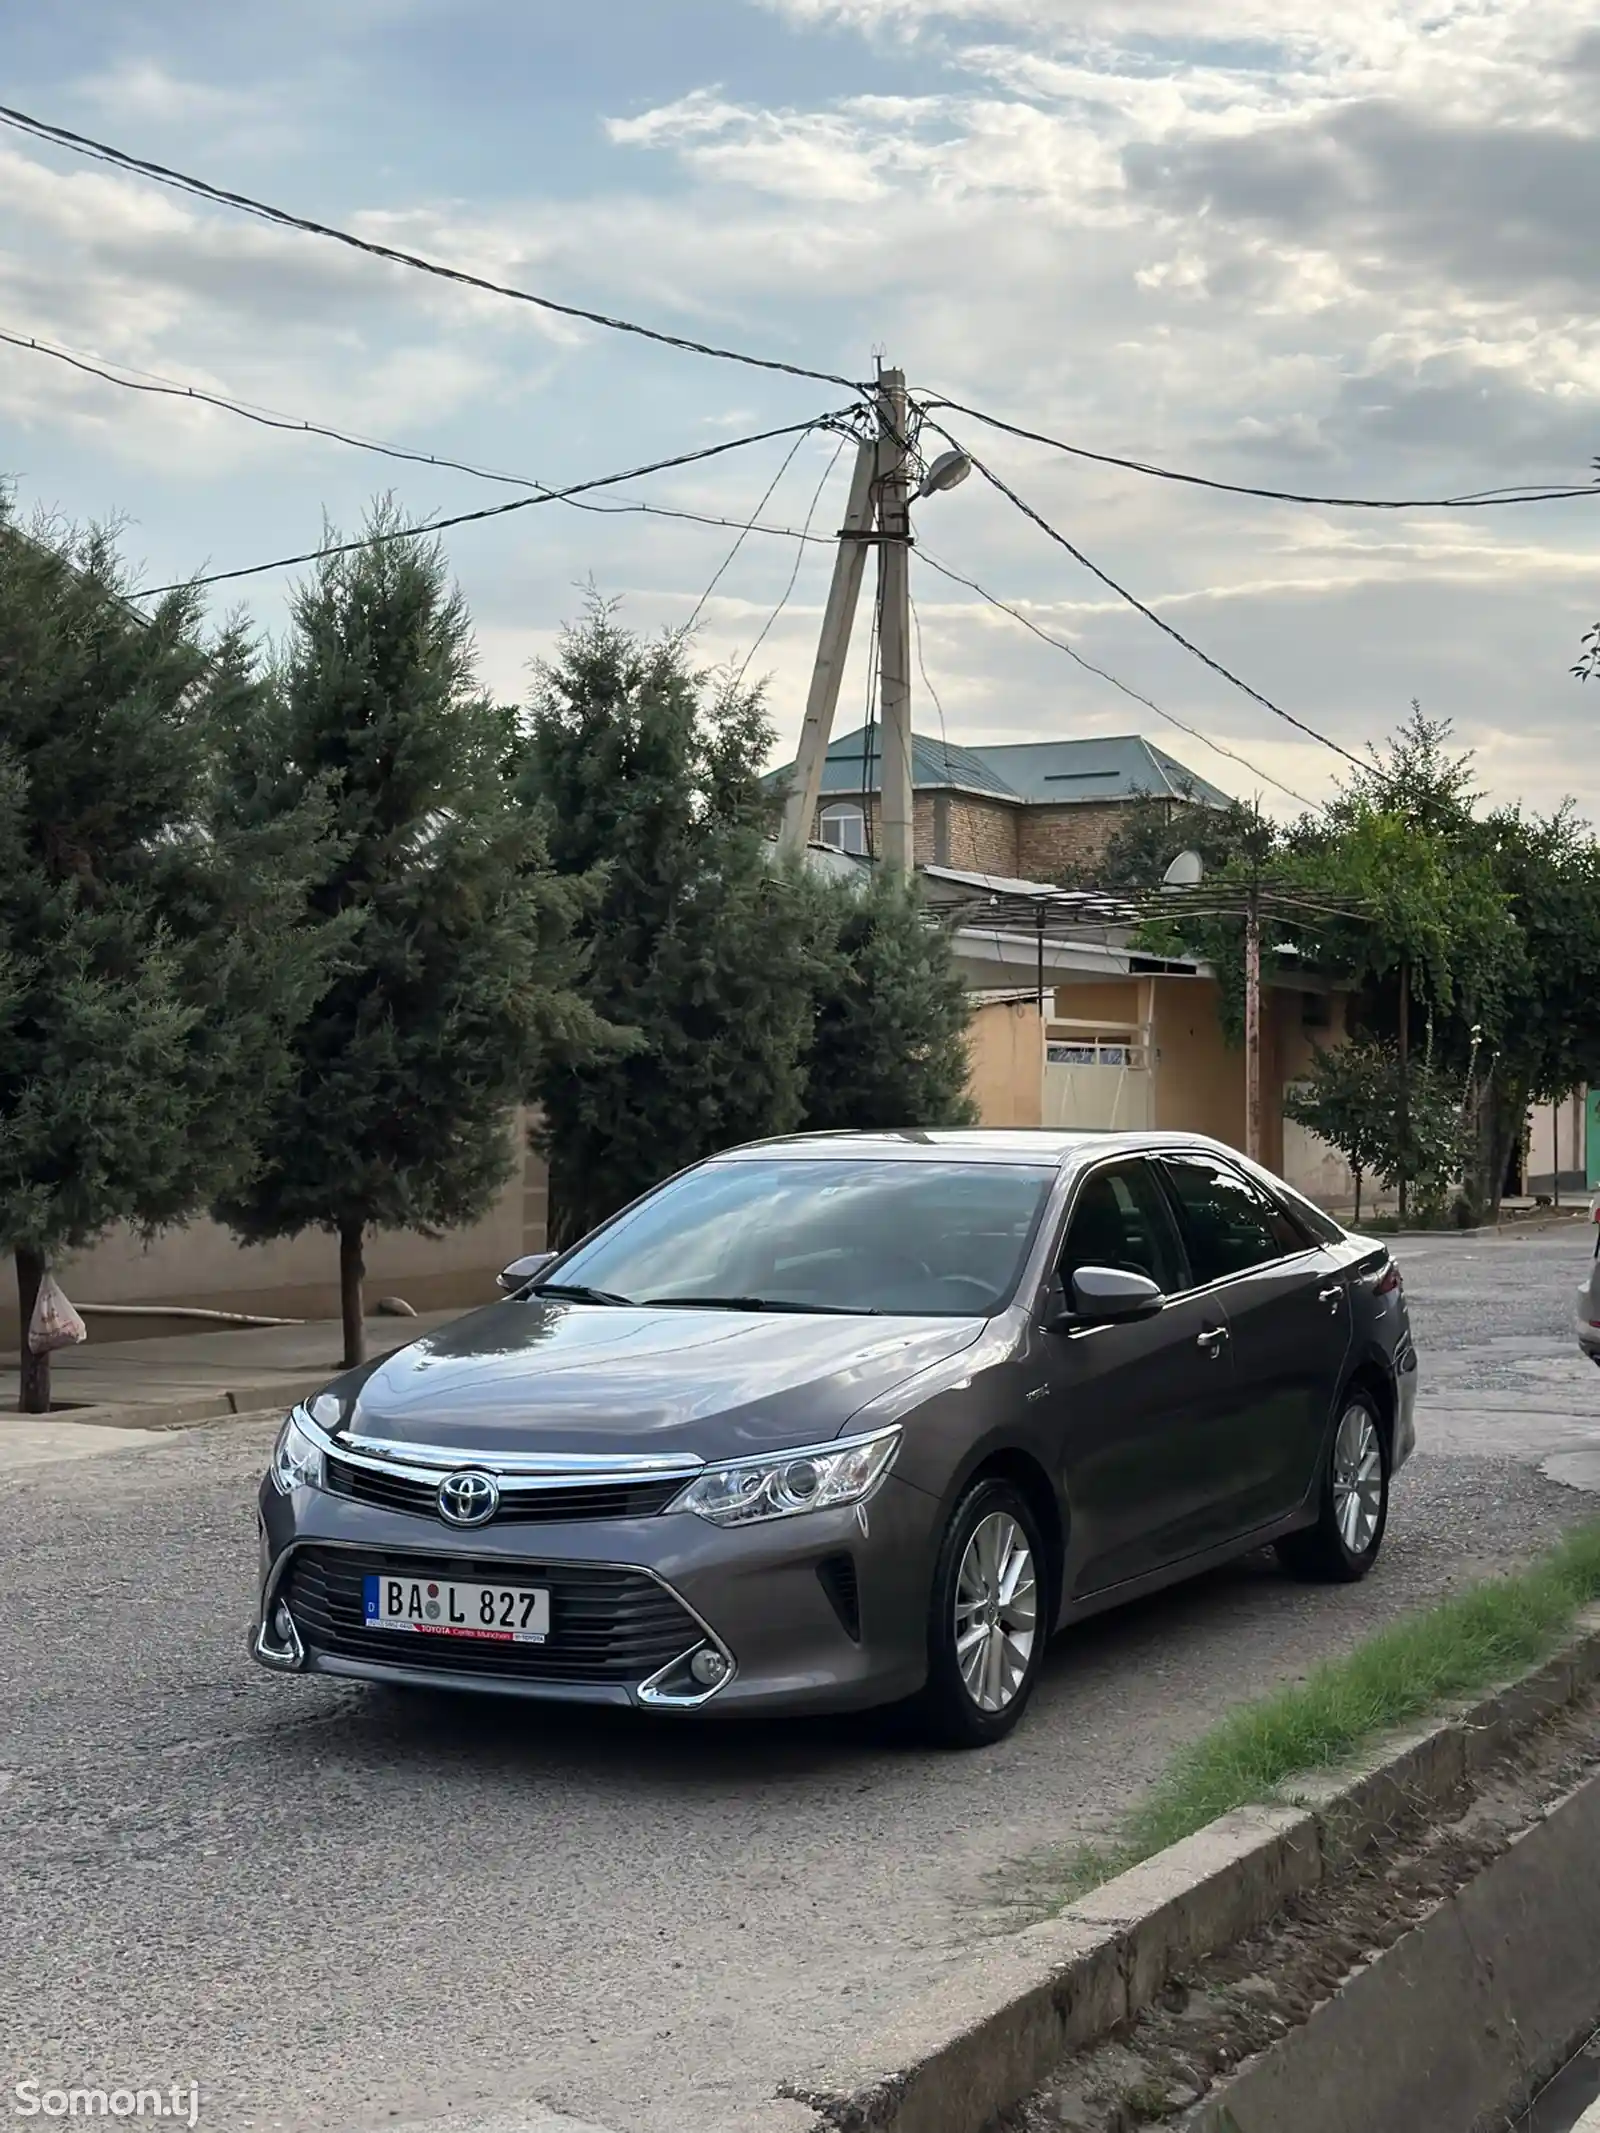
{"x": 534, "y": 1376}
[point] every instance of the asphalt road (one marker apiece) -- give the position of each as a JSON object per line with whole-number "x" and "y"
{"x": 337, "y": 1908}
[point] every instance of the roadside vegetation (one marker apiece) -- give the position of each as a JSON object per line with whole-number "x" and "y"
{"x": 292, "y": 934}
{"x": 1469, "y": 957}
{"x": 1462, "y": 1647}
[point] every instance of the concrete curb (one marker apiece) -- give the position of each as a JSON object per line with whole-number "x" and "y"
{"x": 253, "y": 1396}
{"x": 992, "y": 2031}
{"x": 1464, "y": 2019}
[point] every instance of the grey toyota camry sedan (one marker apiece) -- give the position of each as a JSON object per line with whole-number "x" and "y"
{"x": 847, "y": 1420}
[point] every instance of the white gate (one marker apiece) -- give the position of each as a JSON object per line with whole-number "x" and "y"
{"x": 1096, "y": 1075}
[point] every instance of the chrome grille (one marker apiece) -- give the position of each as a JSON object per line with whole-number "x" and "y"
{"x": 522, "y": 1506}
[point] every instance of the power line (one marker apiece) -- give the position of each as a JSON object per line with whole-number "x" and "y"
{"x": 181, "y": 181}
{"x": 1476, "y": 500}
{"x": 1149, "y": 613}
{"x": 1089, "y": 667}
{"x": 744, "y": 531}
{"x": 468, "y": 518}
{"x": 153, "y": 382}
{"x": 799, "y": 558}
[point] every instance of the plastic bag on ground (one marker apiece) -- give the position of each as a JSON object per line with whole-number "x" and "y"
{"x": 54, "y": 1323}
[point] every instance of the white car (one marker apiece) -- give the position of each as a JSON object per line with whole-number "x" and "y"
{"x": 1589, "y": 1298}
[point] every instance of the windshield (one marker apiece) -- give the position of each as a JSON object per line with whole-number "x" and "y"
{"x": 918, "y": 1238}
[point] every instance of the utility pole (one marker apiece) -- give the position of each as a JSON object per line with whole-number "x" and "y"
{"x": 833, "y": 646}
{"x": 894, "y": 625}
{"x": 1252, "y": 1025}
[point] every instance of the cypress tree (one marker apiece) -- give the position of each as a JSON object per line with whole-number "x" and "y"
{"x": 651, "y": 773}
{"x": 889, "y": 1044}
{"x": 460, "y": 979}
{"x": 151, "y": 963}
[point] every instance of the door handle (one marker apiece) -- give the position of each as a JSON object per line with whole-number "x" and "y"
{"x": 1212, "y": 1340}
{"x": 1331, "y": 1294}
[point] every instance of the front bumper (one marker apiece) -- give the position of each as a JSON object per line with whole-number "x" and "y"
{"x": 826, "y": 1611}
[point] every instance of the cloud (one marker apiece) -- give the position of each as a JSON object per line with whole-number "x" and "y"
{"x": 142, "y": 92}
{"x": 1290, "y": 243}
{"x": 1497, "y": 212}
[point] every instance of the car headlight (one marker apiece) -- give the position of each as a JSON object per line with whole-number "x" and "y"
{"x": 296, "y": 1457}
{"x": 821, "y": 1477}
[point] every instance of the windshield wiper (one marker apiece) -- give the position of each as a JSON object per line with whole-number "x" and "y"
{"x": 758, "y": 1303}
{"x": 577, "y": 1292}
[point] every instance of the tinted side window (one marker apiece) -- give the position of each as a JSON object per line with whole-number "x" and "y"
{"x": 1228, "y": 1225}
{"x": 1319, "y": 1227}
{"x": 1120, "y": 1219}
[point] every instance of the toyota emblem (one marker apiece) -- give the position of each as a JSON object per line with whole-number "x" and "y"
{"x": 468, "y": 1499}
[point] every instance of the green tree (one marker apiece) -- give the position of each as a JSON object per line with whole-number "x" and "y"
{"x": 1395, "y": 889}
{"x": 1351, "y": 1099}
{"x": 1154, "y": 830}
{"x": 694, "y": 944}
{"x": 888, "y": 1047}
{"x": 152, "y": 966}
{"x": 460, "y": 980}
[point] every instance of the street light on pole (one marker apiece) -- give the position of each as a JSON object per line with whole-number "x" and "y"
{"x": 881, "y": 490}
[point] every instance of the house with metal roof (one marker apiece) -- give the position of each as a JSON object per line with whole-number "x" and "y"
{"x": 1034, "y": 810}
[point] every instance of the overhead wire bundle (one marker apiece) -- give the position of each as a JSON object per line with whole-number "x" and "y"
{"x": 580, "y": 494}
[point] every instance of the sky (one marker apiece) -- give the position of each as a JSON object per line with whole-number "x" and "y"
{"x": 1343, "y": 248}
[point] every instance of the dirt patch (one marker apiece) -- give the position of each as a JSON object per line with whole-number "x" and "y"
{"x": 1239, "y": 2003}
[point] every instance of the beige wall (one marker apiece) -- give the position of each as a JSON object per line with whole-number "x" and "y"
{"x": 299, "y": 1277}
{"x": 1557, "y": 1127}
{"x": 1199, "y": 1081}
{"x": 1004, "y": 1045}
{"x": 1112, "y": 1000}
{"x": 1198, "y": 1078}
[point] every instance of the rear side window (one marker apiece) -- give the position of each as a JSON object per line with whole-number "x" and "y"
{"x": 1229, "y": 1225}
{"x": 1319, "y": 1227}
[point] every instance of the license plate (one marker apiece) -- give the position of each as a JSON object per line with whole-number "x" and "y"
{"x": 436, "y": 1607}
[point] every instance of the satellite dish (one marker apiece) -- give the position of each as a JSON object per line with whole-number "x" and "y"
{"x": 1185, "y": 872}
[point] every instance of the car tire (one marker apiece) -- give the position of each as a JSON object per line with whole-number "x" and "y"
{"x": 987, "y": 1620}
{"x": 1353, "y": 1506}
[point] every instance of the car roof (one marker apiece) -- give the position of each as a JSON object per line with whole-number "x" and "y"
{"x": 1056, "y": 1146}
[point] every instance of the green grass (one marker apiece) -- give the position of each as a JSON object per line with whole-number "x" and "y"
{"x": 1459, "y": 1648}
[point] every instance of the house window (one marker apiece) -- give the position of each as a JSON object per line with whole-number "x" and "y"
{"x": 844, "y": 826}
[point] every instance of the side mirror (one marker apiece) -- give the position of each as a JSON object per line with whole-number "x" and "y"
{"x": 521, "y": 1271}
{"x": 1109, "y": 1295}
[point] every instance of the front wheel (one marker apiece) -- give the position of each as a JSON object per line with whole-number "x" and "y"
{"x": 986, "y": 1619}
{"x": 1343, "y": 1544}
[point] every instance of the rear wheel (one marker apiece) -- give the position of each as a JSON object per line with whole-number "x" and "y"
{"x": 986, "y": 1619}
{"x": 1343, "y": 1544}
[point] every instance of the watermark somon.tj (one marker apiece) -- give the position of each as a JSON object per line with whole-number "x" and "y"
{"x": 176, "y": 2104}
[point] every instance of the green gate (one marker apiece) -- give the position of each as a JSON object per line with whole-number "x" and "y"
{"x": 1591, "y": 1138}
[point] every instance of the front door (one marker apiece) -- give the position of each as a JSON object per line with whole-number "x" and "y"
{"x": 1288, "y": 1304}
{"x": 1134, "y": 1409}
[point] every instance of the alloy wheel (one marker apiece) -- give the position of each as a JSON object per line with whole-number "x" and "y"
{"x": 1357, "y": 1479}
{"x": 996, "y": 1611}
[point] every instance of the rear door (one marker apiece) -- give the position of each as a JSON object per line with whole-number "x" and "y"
{"x": 1135, "y": 1410}
{"x": 1288, "y": 1311}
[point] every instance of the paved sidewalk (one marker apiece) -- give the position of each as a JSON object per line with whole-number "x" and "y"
{"x": 175, "y": 1379}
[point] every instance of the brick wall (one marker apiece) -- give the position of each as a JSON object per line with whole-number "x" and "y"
{"x": 948, "y": 829}
{"x": 1053, "y": 841}
{"x": 980, "y": 836}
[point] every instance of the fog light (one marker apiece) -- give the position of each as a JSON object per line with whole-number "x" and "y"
{"x": 708, "y": 1667}
{"x": 283, "y": 1623}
